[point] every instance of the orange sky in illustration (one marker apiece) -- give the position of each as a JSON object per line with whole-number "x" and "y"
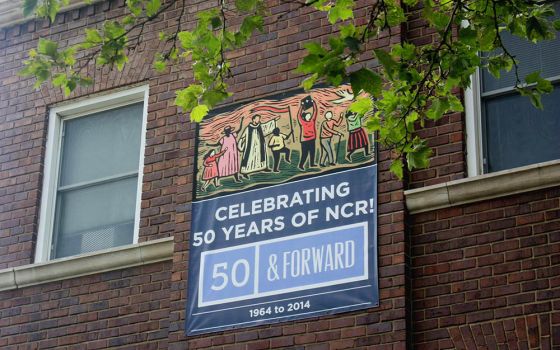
{"x": 211, "y": 130}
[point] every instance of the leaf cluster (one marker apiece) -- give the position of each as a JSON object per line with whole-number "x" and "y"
{"x": 50, "y": 62}
{"x": 412, "y": 85}
{"x": 207, "y": 45}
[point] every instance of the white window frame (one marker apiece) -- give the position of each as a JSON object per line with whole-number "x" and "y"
{"x": 473, "y": 122}
{"x": 57, "y": 116}
{"x": 473, "y": 125}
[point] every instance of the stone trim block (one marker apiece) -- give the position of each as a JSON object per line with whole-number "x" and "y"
{"x": 87, "y": 264}
{"x": 488, "y": 186}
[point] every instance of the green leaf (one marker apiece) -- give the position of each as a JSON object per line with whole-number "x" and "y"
{"x": 534, "y": 96}
{"x": 93, "y": 36}
{"x": 537, "y": 28}
{"x": 486, "y": 39}
{"x": 455, "y": 104}
{"x": 47, "y": 47}
{"x": 309, "y": 81}
{"x": 245, "y": 5}
{"x": 250, "y": 23}
{"x": 315, "y": 48}
{"x": 418, "y": 157}
{"x": 374, "y": 122}
{"x": 438, "y": 108}
{"x": 68, "y": 56}
{"x": 362, "y": 105}
{"x": 386, "y": 61}
{"x": 405, "y": 51}
{"x": 160, "y": 65}
{"x": 41, "y": 74}
{"x": 29, "y": 7}
{"x": 120, "y": 60}
{"x": 336, "y": 44}
{"x": 198, "y": 113}
{"x": 114, "y": 30}
{"x": 59, "y": 79}
{"x": 310, "y": 64}
{"x": 186, "y": 38}
{"x": 498, "y": 63}
{"x": 134, "y": 7}
{"x": 556, "y": 24}
{"x": 53, "y": 6}
{"x": 342, "y": 10}
{"x": 467, "y": 35}
{"x": 533, "y": 77}
{"x": 494, "y": 67}
{"x": 152, "y": 7}
{"x": 397, "y": 168}
{"x": 545, "y": 86}
{"x": 213, "y": 97}
{"x": 366, "y": 80}
{"x": 542, "y": 85}
{"x": 187, "y": 98}
{"x": 85, "y": 81}
{"x": 347, "y": 30}
{"x": 410, "y": 119}
{"x": 536, "y": 101}
{"x": 70, "y": 86}
{"x": 215, "y": 22}
{"x": 352, "y": 43}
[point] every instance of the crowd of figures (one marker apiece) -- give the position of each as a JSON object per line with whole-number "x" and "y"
{"x": 245, "y": 151}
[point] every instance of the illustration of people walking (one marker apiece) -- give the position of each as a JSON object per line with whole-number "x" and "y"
{"x": 211, "y": 168}
{"x": 279, "y": 139}
{"x": 328, "y": 157}
{"x": 307, "y": 116}
{"x": 357, "y": 137}
{"x": 277, "y": 144}
{"x": 228, "y": 164}
{"x": 252, "y": 144}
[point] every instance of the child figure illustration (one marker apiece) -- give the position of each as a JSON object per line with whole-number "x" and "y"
{"x": 211, "y": 168}
{"x": 357, "y": 137}
{"x": 328, "y": 157}
{"x": 278, "y": 147}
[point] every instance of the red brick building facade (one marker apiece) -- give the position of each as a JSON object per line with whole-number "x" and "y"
{"x": 463, "y": 264}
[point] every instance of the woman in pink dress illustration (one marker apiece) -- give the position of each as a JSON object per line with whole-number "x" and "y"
{"x": 228, "y": 164}
{"x": 211, "y": 168}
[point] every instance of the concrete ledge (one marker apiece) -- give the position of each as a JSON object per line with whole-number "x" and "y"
{"x": 87, "y": 264}
{"x": 483, "y": 187}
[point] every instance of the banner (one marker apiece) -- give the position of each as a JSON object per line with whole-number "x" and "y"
{"x": 286, "y": 241}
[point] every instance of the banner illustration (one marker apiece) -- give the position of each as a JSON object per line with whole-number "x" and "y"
{"x": 273, "y": 141}
{"x": 285, "y": 216}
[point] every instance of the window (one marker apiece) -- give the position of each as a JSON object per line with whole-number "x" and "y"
{"x": 510, "y": 131}
{"x": 93, "y": 173}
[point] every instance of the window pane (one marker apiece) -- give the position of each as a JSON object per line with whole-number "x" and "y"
{"x": 95, "y": 217}
{"x": 519, "y": 134}
{"x": 101, "y": 145}
{"x": 542, "y": 57}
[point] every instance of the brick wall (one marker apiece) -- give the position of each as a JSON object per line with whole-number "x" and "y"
{"x": 479, "y": 273}
{"x": 487, "y": 274}
{"x": 264, "y": 67}
{"x": 145, "y": 307}
{"x": 24, "y": 122}
{"x": 383, "y": 327}
{"x": 446, "y": 136}
{"x": 108, "y": 310}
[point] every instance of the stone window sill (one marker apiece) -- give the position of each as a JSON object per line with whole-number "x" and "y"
{"x": 87, "y": 264}
{"x": 483, "y": 187}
